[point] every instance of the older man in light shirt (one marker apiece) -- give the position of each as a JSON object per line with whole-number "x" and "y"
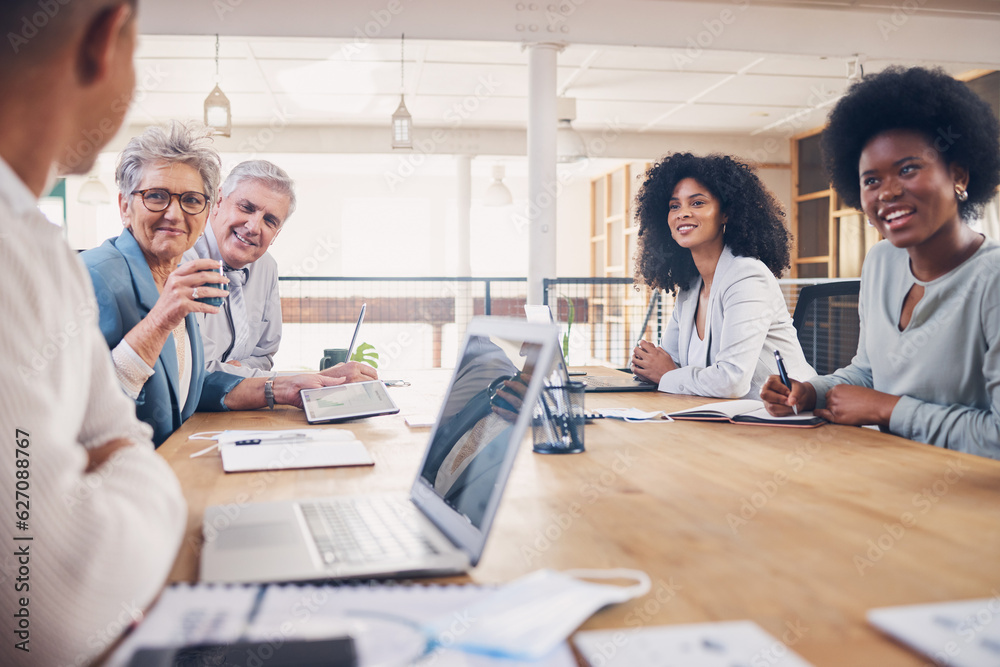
{"x": 253, "y": 204}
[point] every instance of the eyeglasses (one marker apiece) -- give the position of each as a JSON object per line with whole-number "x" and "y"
{"x": 158, "y": 199}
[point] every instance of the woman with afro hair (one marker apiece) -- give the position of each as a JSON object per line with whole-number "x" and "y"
{"x": 919, "y": 153}
{"x": 710, "y": 232}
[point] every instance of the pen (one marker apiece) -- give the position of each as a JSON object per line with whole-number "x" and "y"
{"x": 784, "y": 376}
{"x": 276, "y": 440}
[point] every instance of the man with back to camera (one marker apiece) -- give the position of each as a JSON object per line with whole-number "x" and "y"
{"x": 253, "y": 204}
{"x": 102, "y": 515}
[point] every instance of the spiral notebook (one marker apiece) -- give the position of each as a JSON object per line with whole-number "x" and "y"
{"x": 382, "y": 618}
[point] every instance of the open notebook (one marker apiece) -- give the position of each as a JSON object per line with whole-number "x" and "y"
{"x": 745, "y": 412}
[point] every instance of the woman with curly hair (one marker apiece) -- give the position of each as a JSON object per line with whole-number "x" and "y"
{"x": 919, "y": 153}
{"x": 710, "y": 232}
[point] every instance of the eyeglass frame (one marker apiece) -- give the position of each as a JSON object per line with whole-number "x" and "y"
{"x": 170, "y": 197}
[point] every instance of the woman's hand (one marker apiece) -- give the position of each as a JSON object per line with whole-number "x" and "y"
{"x": 779, "y": 399}
{"x": 651, "y": 362}
{"x": 858, "y": 406}
{"x": 177, "y": 297}
{"x": 175, "y": 302}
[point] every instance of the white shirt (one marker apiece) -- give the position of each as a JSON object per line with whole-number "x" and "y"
{"x": 102, "y": 543}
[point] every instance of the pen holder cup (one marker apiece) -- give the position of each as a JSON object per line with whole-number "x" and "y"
{"x": 558, "y": 419}
{"x": 332, "y": 357}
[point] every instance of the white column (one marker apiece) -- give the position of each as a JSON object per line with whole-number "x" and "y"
{"x": 541, "y": 166}
{"x": 463, "y": 196}
{"x": 463, "y": 178}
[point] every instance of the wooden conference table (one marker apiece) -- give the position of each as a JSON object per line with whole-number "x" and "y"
{"x": 799, "y": 530}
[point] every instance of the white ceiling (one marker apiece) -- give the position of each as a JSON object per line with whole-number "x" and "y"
{"x": 318, "y": 81}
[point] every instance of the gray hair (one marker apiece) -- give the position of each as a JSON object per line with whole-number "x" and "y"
{"x": 188, "y": 142}
{"x": 267, "y": 173}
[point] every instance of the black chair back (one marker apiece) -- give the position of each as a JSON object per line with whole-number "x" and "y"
{"x": 826, "y": 320}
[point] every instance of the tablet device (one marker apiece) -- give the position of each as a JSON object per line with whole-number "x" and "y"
{"x": 347, "y": 401}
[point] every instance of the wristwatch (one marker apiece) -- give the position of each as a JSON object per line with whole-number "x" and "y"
{"x": 269, "y": 392}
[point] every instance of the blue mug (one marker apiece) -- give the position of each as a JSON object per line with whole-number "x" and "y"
{"x": 215, "y": 300}
{"x": 332, "y": 357}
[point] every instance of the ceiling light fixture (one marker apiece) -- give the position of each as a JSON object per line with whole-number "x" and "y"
{"x": 218, "y": 113}
{"x": 402, "y": 122}
{"x": 570, "y": 146}
{"x": 856, "y": 69}
{"x": 498, "y": 194}
{"x": 93, "y": 192}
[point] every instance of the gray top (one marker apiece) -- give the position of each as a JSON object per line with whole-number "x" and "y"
{"x": 946, "y": 363}
{"x": 263, "y": 305}
{"x": 747, "y": 321}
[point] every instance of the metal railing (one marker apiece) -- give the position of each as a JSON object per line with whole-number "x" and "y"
{"x": 419, "y": 322}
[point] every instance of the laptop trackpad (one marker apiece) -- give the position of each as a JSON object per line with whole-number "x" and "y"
{"x": 258, "y": 536}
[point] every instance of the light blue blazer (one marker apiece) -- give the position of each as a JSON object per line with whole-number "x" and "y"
{"x": 747, "y": 321}
{"x": 125, "y": 294}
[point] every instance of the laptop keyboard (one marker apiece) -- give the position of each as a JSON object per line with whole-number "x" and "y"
{"x": 364, "y": 530}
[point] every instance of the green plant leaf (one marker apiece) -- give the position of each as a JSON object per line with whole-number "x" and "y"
{"x": 366, "y": 354}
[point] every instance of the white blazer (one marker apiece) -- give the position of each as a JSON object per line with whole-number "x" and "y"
{"x": 747, "y": 321}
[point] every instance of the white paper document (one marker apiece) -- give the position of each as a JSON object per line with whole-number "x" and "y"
{"x": 725, "y": 644}
{"x": 960, "y": 634}
{"x": 383, "y": 619}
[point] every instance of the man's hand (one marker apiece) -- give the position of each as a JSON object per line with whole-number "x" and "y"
{"x": 234, "y": 362}
{"x": 509, "y": 397}
{"x": 351, "y": 371}
{"x": 287, "y": 387}
{"x": 858, "y": 406}
{"x": 779, "y": 399}
{"x": 651, "y": 362}
{"x": 98, "y": 456}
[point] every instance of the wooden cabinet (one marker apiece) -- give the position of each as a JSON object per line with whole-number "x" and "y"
{"x": 830, "y": 240}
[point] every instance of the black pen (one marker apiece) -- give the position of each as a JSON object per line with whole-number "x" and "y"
{"x": 784, "y": 376}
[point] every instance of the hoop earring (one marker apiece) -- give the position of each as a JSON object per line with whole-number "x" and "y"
{"x": 961, "y": 194}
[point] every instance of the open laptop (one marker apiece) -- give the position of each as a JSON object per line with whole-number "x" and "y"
{"x": 442, "y": 527}
{"x": 594, "y": 383}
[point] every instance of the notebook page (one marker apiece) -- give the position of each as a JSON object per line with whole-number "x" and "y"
{"x": 727, "y": 408}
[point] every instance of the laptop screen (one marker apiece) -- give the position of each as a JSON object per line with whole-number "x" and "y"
{"x": 469, "y": 455}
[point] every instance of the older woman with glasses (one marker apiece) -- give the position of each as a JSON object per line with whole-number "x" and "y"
{"x": 167, "y": 178}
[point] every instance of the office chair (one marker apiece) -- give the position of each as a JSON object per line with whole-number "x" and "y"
{"x": 826, "y": 320}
